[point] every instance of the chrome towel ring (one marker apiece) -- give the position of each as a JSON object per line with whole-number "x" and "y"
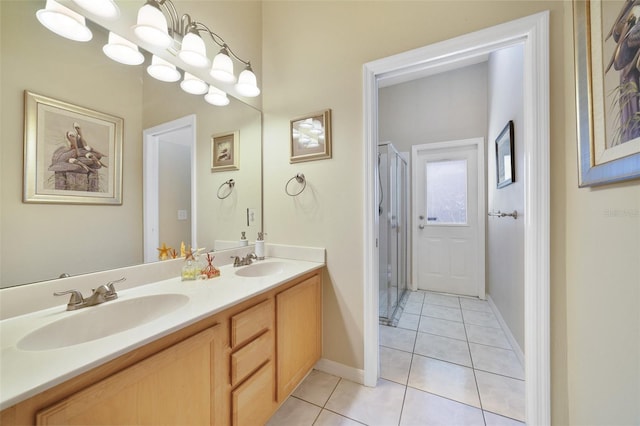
{"x": 231, "y": 184}
{"x": 300, "y": 179}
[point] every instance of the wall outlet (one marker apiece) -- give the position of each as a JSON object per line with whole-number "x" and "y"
{"x": 182, "y": 215}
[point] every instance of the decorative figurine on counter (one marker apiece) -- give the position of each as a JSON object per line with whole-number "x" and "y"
{"x": 164, "y": 252}
{"x": 182, "y": 250}
{"x": 189, "y": 270}
{"x": 210, "y": 271}
{"x": 173, "y": 253}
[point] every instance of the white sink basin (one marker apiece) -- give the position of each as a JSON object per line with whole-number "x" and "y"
{"x": 100, "y": 321}
{"x": 261, "y": 269}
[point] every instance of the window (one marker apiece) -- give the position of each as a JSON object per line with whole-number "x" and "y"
{"x": 446, "y": 187}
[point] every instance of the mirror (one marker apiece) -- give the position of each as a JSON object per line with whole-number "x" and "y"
{"x": 41, "y": 241}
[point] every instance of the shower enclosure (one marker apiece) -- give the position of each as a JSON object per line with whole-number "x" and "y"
{"x": 393, "y": 211}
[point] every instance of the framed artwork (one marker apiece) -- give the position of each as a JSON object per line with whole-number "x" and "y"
{"x": 225, "y": 152}
{"x": 607, "y": 91}
{"x": 505, "y": 157}
{"x": 311, "y": 137}
{"x": 72, "y": 154}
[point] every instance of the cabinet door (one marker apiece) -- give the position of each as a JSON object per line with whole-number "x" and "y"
{"x": 299, "y": 333}
{"x": 252, "y": 402}
{"x": 174, "y": 386}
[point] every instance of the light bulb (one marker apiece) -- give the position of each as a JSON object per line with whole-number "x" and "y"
{"x": 193, "y": 50}
{"x": 247, "y": 85}
{"x": 216, "y": 96}
{"x": 122, "y": 50}
{"x": 222, "y": 68}
{"x": 163, "y": 70}
{"x": 151, "y": 26}
{"x": 192, "y": 84}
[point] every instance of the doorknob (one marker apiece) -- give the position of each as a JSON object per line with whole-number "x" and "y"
{"x": 421, "y": 226}
{"x": 421, "y": 217}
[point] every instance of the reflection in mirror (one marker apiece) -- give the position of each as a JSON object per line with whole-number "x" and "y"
{"x": 42, "y": 241}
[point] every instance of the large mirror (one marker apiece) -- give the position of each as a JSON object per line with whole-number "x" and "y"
{"x": 42, "y": 241}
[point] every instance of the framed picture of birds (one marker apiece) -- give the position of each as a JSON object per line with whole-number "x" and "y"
{"x": 72, "y": 154}
{"x": 607, "y": 64}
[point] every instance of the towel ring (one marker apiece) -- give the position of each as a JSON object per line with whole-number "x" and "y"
{"x": 231, "y": 184}
{"x": 300, "y": 179}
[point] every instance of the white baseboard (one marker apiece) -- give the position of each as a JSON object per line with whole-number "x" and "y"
{"x": 340, "y": 370}
{"x": 512, "y": 340}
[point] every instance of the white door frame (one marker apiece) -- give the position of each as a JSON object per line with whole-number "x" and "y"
{"x": 533, "y": 33}
{"x": 478, "y": 143}
{"x": 150, "y": 194}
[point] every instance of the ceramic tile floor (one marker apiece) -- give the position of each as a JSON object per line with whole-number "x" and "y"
{"x": 447, "y": 363}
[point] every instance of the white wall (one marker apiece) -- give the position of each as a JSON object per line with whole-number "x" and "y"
{"x": 505, "y": 236}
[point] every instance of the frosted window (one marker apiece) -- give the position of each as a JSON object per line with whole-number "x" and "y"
{"x": 446, "y": 187}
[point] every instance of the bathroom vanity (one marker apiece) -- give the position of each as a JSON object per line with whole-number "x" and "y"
{"x": 231, "y": 354}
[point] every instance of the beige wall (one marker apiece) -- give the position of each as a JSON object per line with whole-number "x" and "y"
{"x": 595, "y": 336}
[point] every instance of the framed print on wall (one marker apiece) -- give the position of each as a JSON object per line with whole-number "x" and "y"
{"x": 607, "y": 91}
{"x": 311, "y": 137}
{"x": 505, "y": 157}
{"x": 72, "y": 154}
{"x": 225, "y": 151}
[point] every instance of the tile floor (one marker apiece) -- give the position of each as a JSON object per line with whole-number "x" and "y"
{"x": 447, "y": 363}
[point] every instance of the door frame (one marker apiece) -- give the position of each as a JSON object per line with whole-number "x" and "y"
{"x": 478, "y": 144}
{"x": 150, "y": 194}
{"x": 533, "y": 32}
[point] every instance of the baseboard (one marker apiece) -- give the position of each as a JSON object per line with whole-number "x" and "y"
{"x": 340, "y": 370}
{"x": 512, "y": 340}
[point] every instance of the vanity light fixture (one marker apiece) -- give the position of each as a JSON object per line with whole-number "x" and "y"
{"x": 222, "y": 68}
{"x": 193, "y": 50}
{"x": 193, "y": 85}
{"x": 247, "y": 84}
{"x": 216, "y": 97}
{"x": 107, "y": 9}
{"x": 163, "y": 70}
{"x": 64, "y": 21}
{"x": 151, "y": 25}
{"x": 122, "y": 50}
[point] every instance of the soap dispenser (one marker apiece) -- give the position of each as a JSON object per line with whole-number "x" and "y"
{"x": 243, "y": 240}
{"x": 260, "y": 246}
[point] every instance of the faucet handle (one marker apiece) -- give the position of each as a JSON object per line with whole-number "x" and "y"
{"x": 236, "y": 261}
{"x": 75, "y": 301}
{"x": 112, "y": 288}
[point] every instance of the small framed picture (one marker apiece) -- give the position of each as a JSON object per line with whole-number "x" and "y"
{"x": 311, "y": 137}
{"x": 72, "y": 154}
{"x": 505, "y": 161}
{"x": 225, "y": 152}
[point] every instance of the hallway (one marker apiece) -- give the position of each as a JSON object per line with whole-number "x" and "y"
{"x": 447, "y": 363}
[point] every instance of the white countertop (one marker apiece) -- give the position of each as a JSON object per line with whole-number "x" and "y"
{"x": 25, "y": 373}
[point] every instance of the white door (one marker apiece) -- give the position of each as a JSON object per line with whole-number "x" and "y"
{"x": 448, "y": 206}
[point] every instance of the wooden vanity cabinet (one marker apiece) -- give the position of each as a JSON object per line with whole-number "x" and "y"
{"x": 235, "y": 367}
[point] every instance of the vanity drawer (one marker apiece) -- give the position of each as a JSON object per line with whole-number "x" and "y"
{"x": 253, "y": 402}
{"x": 251, "y": 322}
{"x": 250, "y": 357}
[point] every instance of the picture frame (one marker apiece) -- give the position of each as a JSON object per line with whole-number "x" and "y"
{"x": 72, "y": 154}
{"x": 608, "y": 127}
{"x": 225, "y": 151}
{"x": 311, "y": 137}
{"x": 505, "y": 157}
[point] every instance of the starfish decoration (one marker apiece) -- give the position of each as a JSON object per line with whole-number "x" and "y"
{"x": 164, "y": 252}
{"x": 173, "y": 253}
{"x": 189, "y": 255}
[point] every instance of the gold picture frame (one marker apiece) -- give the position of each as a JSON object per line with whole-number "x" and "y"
{"x": 225, "y": 152}
{"x": 72, "y": 154}
{"x": 311, "y": 137}
{"x": 607, "y": 95}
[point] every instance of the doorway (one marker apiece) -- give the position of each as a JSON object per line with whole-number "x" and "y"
{"x": 448, "y": 210}
{"x": 532, "y": 33}
{"x": 169, "y": 163}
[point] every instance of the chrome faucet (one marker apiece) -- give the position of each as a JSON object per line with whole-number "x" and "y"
{"x": 104, "y": 293}
{"x": 247, "y": 260}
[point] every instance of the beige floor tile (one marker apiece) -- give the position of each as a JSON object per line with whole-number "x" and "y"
{"x": 294, "y": 412}
{"x": 413, "y": 307}
{"x": 409, "y": 321}
{"x": 496, "y": 420}
{"x": 487, "y": 336}
{"x": 443, "y": 348}
{"x": 397, "y": 338}
{"x": 373, "y": 406}
{"x": 442, "y": 327}
{"x": 415, "y": 296}
{"x": 444, "y": 379}
{"x": 442, "y": 299}
{"x": 394, "y": 365}
{"x": 501, "y": 395}
{"x": 475, "y": 305}
{"x": 328, "y": 418}
{"x": 496, "y": 360}
{"x": 442, "y": 312}
{"x": 485, "y": 319}
{"x": 422, "y": 408}
{"x": 317, "y": 387}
